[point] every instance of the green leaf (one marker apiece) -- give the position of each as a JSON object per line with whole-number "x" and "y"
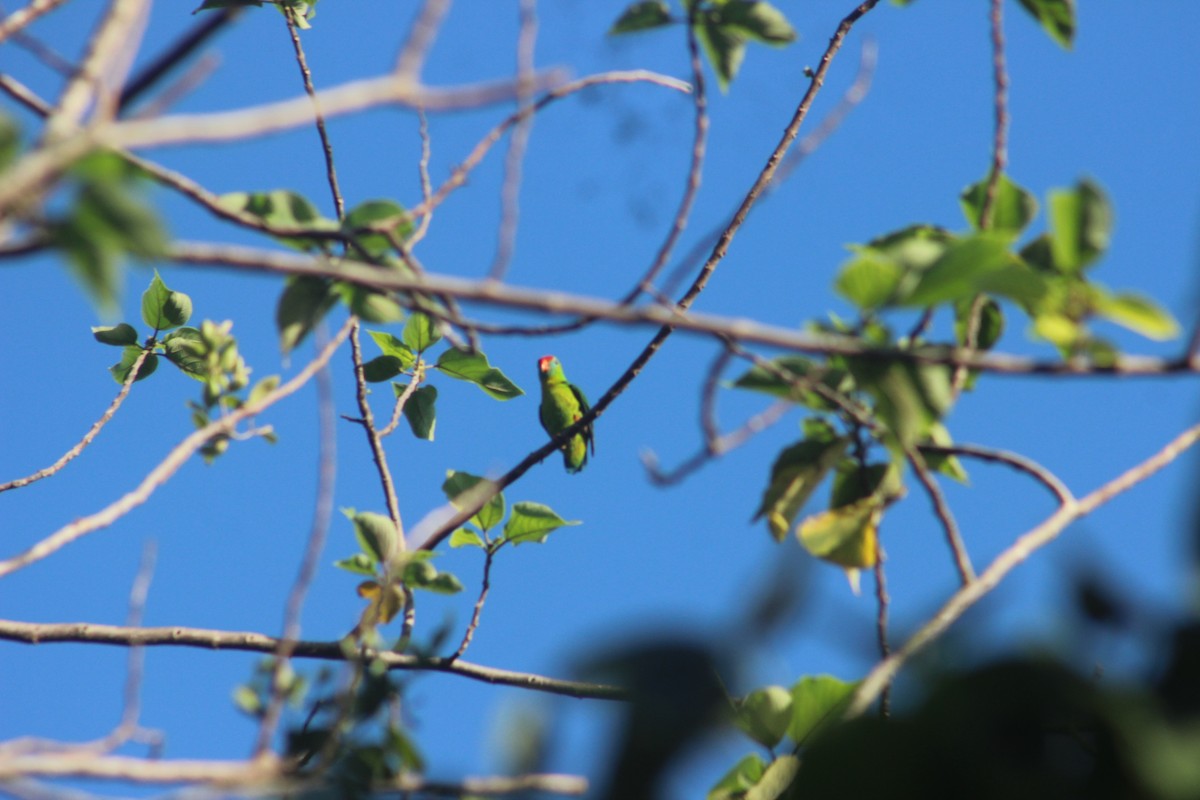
{"x": 533, "y": 522}
{"x": 465, "y": 537}
{"x": 795, "y": 475}
{"x": 786, "y": 377}
{"x": 757, "y": 20}
{"x": 283, "y": 209}
{"x": 845, "y": 536}
{"x": 853, "y": 482}
{"x": 375, "y": 532}
{"x": 163, "y": 309}
{"x": 421, "y": 332}
{"x": 391, "y": 346}
{"x": 382, "y": 368}
{"x": 734, "y": 784}
{"x": 957, "y": 273}
{"x": 462, "y": 489}
{"x": 1057, "y": 17}
{"x": 208, "y": 5}
{"x": 423, "y": 575}
{"x": 1057, "y": 329}
{"x": 776, "y": 780}
{"x": 1013, "y": 208}
{"x": 377, "y": 215}
{"x": 909, "y": 398}
{"x": 724, "y": 48}
{"x": 10, "y": 141}
{"x": 989, "y": 325}
{"x": 1081, "y": 221}
{"x": 369, "y": 304}
{"x": 184, "y": 347}
{"x": 869, "y": 279}
{"x": 474, "y": 368}
{"x": 818, "y": 701}
{"x": 1137, "y": 313}
{"x": 419, "y": 409}
{"x": 641, "y": 17}
{"x": 301, "y": 306}
{"x": 118, "y": 335}
{"x": 764, "y": 715}
{"x": 120, "y": 371}
{"x": 247, "y": 700}
{"x": 359, "y": 564}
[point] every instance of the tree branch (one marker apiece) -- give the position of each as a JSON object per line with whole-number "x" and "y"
{"x": 83, "y": 632}
{"x": 883, "y": 672}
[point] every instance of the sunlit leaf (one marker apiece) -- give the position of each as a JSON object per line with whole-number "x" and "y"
{"x": 818, "y": 701}
{"x": 765, "y": 714}
{"x": 392, "y": 346}
{"x": 744, "y": 775}
{"x": 163, "y": 309}
{"x": 474, "y": 368}
{"x": 1139, "y": 314}
{"x": 371, "y": 222}
{"x": 757, "y": 20}
{"x": 420, "y": 332}
{"x": 465, "y": 537}
{"x": 120, "y": 371}
{"x": 533, "y": 522}
{"x": 846, "y": 536}
{"x": 795, "y": 475}
{"x": 1013, "y": 208}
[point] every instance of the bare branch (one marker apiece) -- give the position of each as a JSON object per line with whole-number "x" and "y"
{"x": 68, "y": 456}
{"x": 149, "y": 75}
{"x": 18, "y": 20}
{"x": 420, "y": 38}
{"x": 99, "y": 79}
{"x": 469, "y": 634}
{"x": 1029, "y": 543}
{"x": 732, "y": 328}
{"x": 1014, "y": 460}
{"x": 941, "y": 508}
{"x": 244, "y": 641}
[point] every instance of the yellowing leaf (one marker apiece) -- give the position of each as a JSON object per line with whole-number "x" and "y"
{"x": 846, "y": 536}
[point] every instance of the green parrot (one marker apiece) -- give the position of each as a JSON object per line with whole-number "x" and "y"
{"x": 562, "y": 405}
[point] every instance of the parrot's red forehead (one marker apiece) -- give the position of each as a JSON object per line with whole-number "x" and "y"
{"x": 544, "y": 363}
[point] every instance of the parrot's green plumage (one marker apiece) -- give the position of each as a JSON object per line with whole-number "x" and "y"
{"x": 562, "y": 405}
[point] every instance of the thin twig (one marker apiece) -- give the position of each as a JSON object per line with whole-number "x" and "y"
{"x": 458, "y": 176}
{"x": 339, "y": 206}
{"x": 179, "y": 50}
{"x": 168, "y": 466}
{"x": 245, "y": 641}
{"x": 1000, "y": 105}
{"x": 367, "y": 421}
{"x": 68, "y": 456}
{"x": 488, "y": 555}
{"x": 423, "y": 174}
{"x": 21, "y": 18}
{"x": 318, "y": 532}
{"x": 723, "y": 444}
{"x": 962, "y": 561}
{"x": 1014, "y": 460}
{"x": 1025, "y": 546}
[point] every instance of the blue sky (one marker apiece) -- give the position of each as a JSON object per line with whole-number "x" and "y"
{"x": 603, "y": 175}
